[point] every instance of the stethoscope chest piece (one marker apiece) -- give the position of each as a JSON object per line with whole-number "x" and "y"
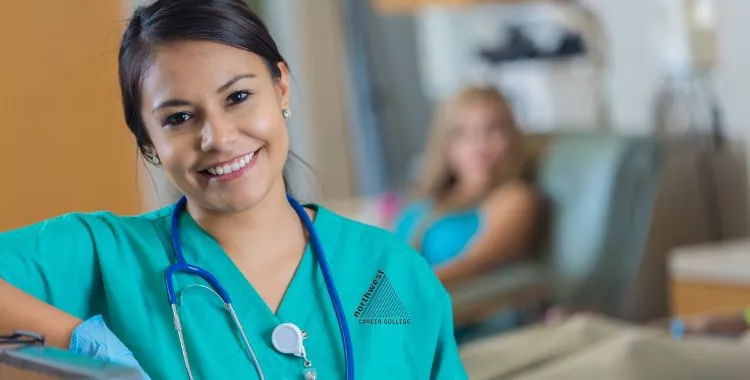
{"x": 289, "y": 339}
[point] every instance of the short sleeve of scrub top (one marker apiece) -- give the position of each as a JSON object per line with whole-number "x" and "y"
{"x": 399, "y": 315}
{"x": 55, "y": 261}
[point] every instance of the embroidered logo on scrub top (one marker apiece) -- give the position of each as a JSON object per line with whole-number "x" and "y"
{"x": 381, "y": 305}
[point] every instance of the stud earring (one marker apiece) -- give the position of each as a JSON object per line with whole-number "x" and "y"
{"x": 152, "y": 157}
{"x": 155, "y": 160}
{"x": 286, "y": 113}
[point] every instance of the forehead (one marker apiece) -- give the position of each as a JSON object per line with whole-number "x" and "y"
{"x": 478, "y": 113}
{"x": 195, "y": 64}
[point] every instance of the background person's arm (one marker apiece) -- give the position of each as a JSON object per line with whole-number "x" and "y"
{"x": 510, "y": 218}
{"x": 728, "y": 324}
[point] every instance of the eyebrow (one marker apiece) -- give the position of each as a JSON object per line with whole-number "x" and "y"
{"x": 222, "y": 88}
{"x": 232, "y": 81}
{"x": 171, "y": 103}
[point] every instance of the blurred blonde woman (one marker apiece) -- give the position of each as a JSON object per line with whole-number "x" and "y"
{"x": 471, "y": 211}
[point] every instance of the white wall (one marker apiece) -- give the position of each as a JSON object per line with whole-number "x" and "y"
{"x": 734, "y": 64}
{"x": 645, "y": 39}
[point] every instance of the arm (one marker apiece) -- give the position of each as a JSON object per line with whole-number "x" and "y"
{"x": 20, "y": 311}
{"x": 510, "y": 217}
{"x": 446, "y": 363}
{"x": 723, "y": 324}
{"x": 48, "y": 279}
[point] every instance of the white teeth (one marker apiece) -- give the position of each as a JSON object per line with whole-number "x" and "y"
{"x": 232, "y": 167}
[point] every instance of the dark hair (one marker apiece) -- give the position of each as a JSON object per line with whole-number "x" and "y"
{"x": 227, "y": 22}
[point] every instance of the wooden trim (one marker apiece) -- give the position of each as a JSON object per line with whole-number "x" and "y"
{"x": 692, "y": 297}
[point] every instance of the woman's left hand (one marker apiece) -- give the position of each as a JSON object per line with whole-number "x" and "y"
{"x": 94, "y": 339}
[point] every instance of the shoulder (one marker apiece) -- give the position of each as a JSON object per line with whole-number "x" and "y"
{"x": 409, "y": 216}
{"x": 367, "y": 248}
{"x": 417, "y": 206}
{"x": 515, "y": 195}
{"x": 414, "y": 210}
{"x": 372, "y": 241}
{"x": 82, "y": 225}
{"x": 514, "y": 190}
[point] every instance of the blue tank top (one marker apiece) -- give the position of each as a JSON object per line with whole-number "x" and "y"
{"x": 446, "y": 238}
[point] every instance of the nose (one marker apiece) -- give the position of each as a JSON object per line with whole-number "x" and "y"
{"x": 218, "y": 133}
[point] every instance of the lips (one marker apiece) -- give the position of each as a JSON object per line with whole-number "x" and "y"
{"x": 228, "y": 168}
{"x": 232, "y": 166}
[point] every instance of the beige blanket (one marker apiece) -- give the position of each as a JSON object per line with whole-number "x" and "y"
{"x": 592, "y": 348}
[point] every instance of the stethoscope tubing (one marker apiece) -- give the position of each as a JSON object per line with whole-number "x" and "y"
{"x": 181, "y": 266}
{"x": 332, "y": 291}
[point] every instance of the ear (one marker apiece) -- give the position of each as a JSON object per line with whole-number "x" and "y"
{"x": 150, "y": 154}
{"x": 282, "y": 86}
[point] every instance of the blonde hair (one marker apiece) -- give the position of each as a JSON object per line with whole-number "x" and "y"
{"x": 436, "y": 179}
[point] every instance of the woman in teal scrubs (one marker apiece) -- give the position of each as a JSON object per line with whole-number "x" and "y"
{"x": 206, "y": 94}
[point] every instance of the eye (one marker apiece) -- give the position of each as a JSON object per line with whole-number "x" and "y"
{"x": 176, "y": 119}
{"x": 237, "y": 97}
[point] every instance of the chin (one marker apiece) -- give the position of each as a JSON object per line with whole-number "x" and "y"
{"x": 241, "y": 200}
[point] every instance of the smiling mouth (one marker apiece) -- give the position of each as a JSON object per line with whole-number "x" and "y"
{"x": 237, "y": 165}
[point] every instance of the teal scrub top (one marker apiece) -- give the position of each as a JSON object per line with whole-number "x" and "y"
{"x": 86, "y": 264}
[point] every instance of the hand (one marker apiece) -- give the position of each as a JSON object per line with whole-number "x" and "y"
{"x": 93, "y": 338}
{"x": 725, "y": 325}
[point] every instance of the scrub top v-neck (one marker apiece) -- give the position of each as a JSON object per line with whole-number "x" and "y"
{"x": 253, "y": 311}
{"x": 100, "y": 263}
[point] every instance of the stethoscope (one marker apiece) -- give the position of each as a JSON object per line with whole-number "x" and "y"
{"x": 286, "y": 338}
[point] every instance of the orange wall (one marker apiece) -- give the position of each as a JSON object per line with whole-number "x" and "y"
{"x": 64, "y": 146}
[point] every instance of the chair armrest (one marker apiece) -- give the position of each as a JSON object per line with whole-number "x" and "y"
{"x": 515, "y": 286}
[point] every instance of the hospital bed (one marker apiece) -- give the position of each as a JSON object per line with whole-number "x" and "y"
{"x": 594, "y": 348}
{"x": 25, "y": 356}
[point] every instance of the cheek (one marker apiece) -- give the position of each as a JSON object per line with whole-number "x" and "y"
{"x": 174, "y": 150}
{"x": 255, "y": 121}
{"x": 261, "y": 121}
{"x": 459, "y": 154}
{"x": 502, "y": 146}
{"x": 269, "y": 128}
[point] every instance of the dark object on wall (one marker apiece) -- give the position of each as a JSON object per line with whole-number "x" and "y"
{"x": 519, "y": 46}
{"x": 572, "y": 45}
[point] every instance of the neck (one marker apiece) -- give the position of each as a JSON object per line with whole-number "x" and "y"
{"x": 254, "y": 230}
{"x": 469, "y": 188}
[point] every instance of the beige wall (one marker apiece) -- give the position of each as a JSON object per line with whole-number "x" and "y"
{"x": 64, "y": 146}
{"x": 322, "y": 75}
